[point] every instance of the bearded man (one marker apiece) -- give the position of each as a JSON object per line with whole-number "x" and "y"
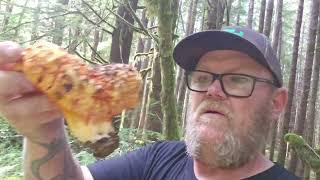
{"x": 236, "y": 94}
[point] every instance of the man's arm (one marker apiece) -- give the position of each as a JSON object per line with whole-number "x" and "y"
{"x": 47, "y": 154}
{"x": 52, "y": 160}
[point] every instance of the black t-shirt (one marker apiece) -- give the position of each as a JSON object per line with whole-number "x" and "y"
{"x": 164, "y": 161}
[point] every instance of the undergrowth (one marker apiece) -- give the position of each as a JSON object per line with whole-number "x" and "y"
{"x": 11, "y": 149}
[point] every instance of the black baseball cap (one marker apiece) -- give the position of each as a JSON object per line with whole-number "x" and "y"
{"x": 190, "y": 49}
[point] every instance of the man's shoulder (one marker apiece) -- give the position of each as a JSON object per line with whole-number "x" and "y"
{"x": 166, "y": 146}
{"x": 284, "y": 173}
{"x": 276, "y": 172}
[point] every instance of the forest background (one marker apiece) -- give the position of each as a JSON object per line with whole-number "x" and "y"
{"x": 143, "y": 33}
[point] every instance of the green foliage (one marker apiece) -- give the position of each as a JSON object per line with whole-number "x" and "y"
{"x": 294, "y": 139}
{"x": 131, "y": 139}
{"x": 11, "y": 149}
{"x": 305, "y": 152}
{"x": 10, "y": 152}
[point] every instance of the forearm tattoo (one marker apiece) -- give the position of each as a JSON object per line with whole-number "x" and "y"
{"x": 55, "y": 147}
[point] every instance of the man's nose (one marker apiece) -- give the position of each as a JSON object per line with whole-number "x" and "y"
{"x": 215, "y": 90}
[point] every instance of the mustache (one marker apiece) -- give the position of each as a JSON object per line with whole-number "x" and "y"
{"x": 212, "y": 105}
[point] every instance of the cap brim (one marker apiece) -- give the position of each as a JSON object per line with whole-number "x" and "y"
{"x": 189, "y": 50}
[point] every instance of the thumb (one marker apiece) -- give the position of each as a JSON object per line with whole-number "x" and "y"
{"x": 10, "y": 52}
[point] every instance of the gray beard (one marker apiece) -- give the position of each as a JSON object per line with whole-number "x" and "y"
{"x": 236, "y": 149}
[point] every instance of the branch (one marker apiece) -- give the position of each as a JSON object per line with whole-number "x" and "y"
{"x": 119, "y": 18}
{"x": 141, "y": 7}
{"x": 94, "y": 23}
{"x": 18, "y": 5}
{"x": 64, "y": 14}
{"x": 153, "y": 27}
{"x": 97, "y": 13}
{"x": 35, "y": 39}
{"x": 141, "y": 54}
{"x": 137, "y": 19}
{"x": 209, "y": 3}
{"x": 88, "y": 60}
{"x": 100, "y": 60}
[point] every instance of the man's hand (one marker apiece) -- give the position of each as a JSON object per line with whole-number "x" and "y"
{"x": 26, "y": 109}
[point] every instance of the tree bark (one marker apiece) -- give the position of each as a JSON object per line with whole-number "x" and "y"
{"x": 250, "y": 14}
{"x": 35, "y": 25}
{"x": 268, "y": 19}
{"x": 278, "y": 25}
{"x": 21, "y": 16}
{"x": 220, "y": 13}
{"x": 275, "y": 48}
{"x": 229, "y": 6}
{"x": 59, "y": 23}
{"x": 75, "y": 39}
{"x": 192, "y": 14}
{"x": 122, "y": 36}
{"x": 166, "y": 16}
{"x": 291, "y": 86}
{"x": 301, "y": 116}
{"x": 313, "y": 97}
{"x": 154, "y": 110}
{"x": 96, "y": 38}
{"x": 275, "y": 133}
{"x": 212, "y": 14}
{"x": 6, "y": 17}
{"x": 238, "y": 13}
{"x": 262, "y": 15}
{"x": 141, "y": 41}
{"x": 180, "y": 81}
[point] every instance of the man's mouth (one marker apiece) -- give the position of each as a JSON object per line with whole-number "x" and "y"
{"x": 213, "y": 112}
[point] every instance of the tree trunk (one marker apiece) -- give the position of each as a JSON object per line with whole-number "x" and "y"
{"x": 166, "y": 16}
{"x": 268, "y": 20}
{"x": 250, "y": 14}
{"x": 59, "y": 22}
{"x": 180, "y": 82}
{"x": 275, "y": 42}
{"x": 21, "y": 16}
{"x": 215, "y": 14}
{"x": 144, "y": 101}
{"x": 262, "y": 15}
{"x": 278, "y": 25}
{"x": 192, "y": 14}
{"x": 229, "y": 6}
{"x": 6, "y": 17}
{"x": 203, "y": 16}
{"x": 313, "y": 97}
{"x": 154, "y": 112}
{"x": 220, "y": 13}
{"x": 275, "y": 133}
{"x": 239, "y": 12}
{"x": 291, "y": 86}
{"x": 35, "y": 25}
{"x": 95, "y": 44}
{"x": 122, "y": 36}
{"x": 141, "y": 41}
{"x": 301, "y": 116}
{"x": 75, "y": 39}
{"x": 144, "y": 64}
{"x": 212, "y": 14}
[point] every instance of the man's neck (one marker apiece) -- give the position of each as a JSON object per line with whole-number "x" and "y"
{"x": 253, "y": 167}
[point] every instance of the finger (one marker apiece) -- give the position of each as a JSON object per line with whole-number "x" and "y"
{"x": 14, "y": 83}
{"x": 27, "y": 106}
{"x": 10, "y": 52}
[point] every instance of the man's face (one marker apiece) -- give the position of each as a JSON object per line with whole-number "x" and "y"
{"x": 224, "y": 131}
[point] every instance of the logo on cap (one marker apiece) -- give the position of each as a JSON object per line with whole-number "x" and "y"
{"x": 234, "y": 31}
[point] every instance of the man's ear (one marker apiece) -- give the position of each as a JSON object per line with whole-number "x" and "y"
{"x": 279, "y": 100}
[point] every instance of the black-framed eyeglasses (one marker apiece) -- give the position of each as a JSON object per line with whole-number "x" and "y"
{"x": 232, "y": 84}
